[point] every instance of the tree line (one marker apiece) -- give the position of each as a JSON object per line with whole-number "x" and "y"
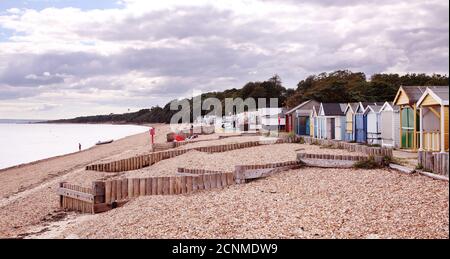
{"x": 339, "y": 86}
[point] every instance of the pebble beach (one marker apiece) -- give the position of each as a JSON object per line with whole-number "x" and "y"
{"x": 302, "y": 203}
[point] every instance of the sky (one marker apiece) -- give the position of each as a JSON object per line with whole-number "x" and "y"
{"x": 67, "y": 58}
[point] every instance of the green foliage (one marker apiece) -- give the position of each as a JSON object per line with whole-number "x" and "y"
{"x": 338, "y": 86}
{"x": 266, "y": 134}
{"x": 347, "y": 86}
{"x": 369, "y": 163}
{"x": 302, "y": 140}
{"x": 387, "y": 160}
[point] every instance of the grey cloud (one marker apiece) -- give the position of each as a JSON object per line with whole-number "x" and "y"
{"x": 211, "y": 60}
{"x": 21, "y": 66}
{"x": 331, "y": 2}
{"x": 10, "y": 93}
{"x": 177, "y": 23}
{"x": 217, "y": 48}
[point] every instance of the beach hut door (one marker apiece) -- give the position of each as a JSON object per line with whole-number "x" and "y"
{"x": 303, "y": 126}
{"x": 407, "y": 127}
{"x": 360, "y": 128}
{"x": 316, "y": 128}
{"x": 331, "y": 128}
{"x": 308, "y": 126}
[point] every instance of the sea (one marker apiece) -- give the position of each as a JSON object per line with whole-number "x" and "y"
{"x": 25, "y": 141}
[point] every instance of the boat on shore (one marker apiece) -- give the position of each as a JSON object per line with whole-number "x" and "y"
{"x": 104, "y": 142}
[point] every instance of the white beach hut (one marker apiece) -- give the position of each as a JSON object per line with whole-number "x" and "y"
{"x": 390, "y": 125}
{"x": 373, "y": 124}
{"x": 350, "y": 111}
{"x": 332, "y": 121}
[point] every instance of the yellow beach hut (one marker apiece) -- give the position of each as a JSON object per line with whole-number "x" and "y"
{"x": 406, "y": 99}
{"x": 433, "y": 107}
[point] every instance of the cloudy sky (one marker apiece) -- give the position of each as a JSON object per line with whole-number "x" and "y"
{"x": 64, "y": 58}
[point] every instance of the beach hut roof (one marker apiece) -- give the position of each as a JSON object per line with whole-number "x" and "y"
{"x": 439, "y": 93}
{"x": 298, "y": 107}
{"x": 389, "y": 106}
{"x": 412, "y": 92}
{"x": 373, "y": 108}
{"x": 351, "y": 106}
{"x": 332, "y": 109}
{"x": 315, "y": 110}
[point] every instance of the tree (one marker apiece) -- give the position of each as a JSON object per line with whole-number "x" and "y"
{"x": 337, "y": 86}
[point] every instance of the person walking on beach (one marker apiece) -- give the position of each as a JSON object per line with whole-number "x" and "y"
{"x": 79, "y": 146}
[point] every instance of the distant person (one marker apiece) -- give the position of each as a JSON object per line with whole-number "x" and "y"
{"x": 79, "y": 146}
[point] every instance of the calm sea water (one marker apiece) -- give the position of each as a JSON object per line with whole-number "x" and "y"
{"x": 24, "y": 143}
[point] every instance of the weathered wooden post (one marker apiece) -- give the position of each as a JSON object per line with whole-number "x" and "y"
{"x": 61, "y": 197}
{"x": 98, "y": 190}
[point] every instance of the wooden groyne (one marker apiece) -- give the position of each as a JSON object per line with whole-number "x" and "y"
{"x": 434, "y": 162}
{"x": 352, "y": 147}
{"x": 139, "y": 162}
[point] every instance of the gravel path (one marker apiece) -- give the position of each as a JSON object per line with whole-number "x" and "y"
{"x": 304, "y": 203}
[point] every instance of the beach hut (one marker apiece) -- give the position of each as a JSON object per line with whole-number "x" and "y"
{"x": 373, "y": 118}
{"x": 314, "y": 131}
{"x": 331, "y": 121}
{"x": 300, "y": 118}
{"x": 350, "y": 112}
{"x": 360, "y": 121}
{"x": 360, "y": 124}
{"x": 433, "y": 110}
{"x": 406, "y": 99}
{"x": 390, "y": 124}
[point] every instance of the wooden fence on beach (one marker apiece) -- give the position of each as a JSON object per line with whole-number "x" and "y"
{"x": 106, "y": 195}
{"x": 435, "y": 162}
{"x": 352, "y": 147}
{"x": 82, "y": 199}
{"x": 118, "y": 190}
{"x": 331, "y": 157}
{"x": 138, "y": 162}
{"x": 243, "y": 173}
